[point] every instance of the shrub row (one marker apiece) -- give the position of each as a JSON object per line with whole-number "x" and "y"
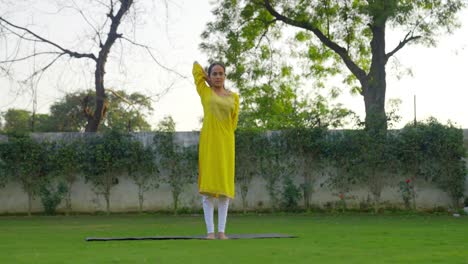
{"x": 429, "y": 152}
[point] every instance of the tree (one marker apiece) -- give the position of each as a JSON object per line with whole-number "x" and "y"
{"x": 270, "y": 108}
{"x": 42, "y": 123}
{"x": 114, "y": 16}
{"x": 25, "y": 160}
{"x": 166, "y": 125}
{"x": 67, "y": 113}
{"x": 22, "y": 121}
{"x": 362, "y": 158}
{"x": 274, "y": 165}
{"x": 142, "y": 169}
{"x": 66, "y": 159}
{"x": 272, "y": 105}
{"x": 4, "y": 177}
{"x": 271, "y": 94}
{"x": 104, "y": 159}
{"x": 51, "y": 194}
{"x": 308, "y": 147}
{"x": 247, "y": 160}
{"x": 329, "y": 37}
{"x": 434, "y": 152}
{"x": 178, "y": 163}
{"x": 126, "y": 112}
{"x": 17, "y": 120}
{"x": 378, "y": 162}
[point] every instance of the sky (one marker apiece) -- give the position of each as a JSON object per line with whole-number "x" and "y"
{"x": 438, "y": 79}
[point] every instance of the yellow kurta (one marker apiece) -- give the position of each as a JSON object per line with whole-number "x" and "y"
{"x": 216, "y": 151}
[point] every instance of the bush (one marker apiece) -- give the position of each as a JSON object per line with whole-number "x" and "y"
{"x": 51, "y": 197}
{"x": 434, "y": 152}
{"x": 291, "y": 195}
{"x": 406, "y": 189}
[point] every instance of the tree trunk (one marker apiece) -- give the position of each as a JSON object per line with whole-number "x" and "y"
{"x": 272, "y": 192}
{"x": 94, "y": 120}
{"x": 375, "y": 186}
{"x": 244, "y": 199}
{"x": 307, "y": 191}
{"x": 107, "y": 187}
{"x": 244, "y": 188}
{"x": 244, "y": 205}
{"x": 68, "y": 205}
{"x": 413, "y": 187}
{"x": 175, "y": 196}
{"x": 30, "y": 197}
{"x": 140, "y": 197}
{"x": 68, "y": 201}
{"x": 101, "y": 106}
{"x": 375, "y": 85}
{"x": 107, "y": 197}
{"x": 307, "y": 188}
{"x": 376, "y": 192}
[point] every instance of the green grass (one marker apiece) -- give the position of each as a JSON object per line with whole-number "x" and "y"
{"x": 323, "y": 238}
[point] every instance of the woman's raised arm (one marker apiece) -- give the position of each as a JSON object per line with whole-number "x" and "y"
{"x": 200, "y": 77}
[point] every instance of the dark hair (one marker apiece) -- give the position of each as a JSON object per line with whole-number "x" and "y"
{"x": 214, "y": 64}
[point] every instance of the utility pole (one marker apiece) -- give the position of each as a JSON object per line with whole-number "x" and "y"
{"x": 414, "y": 103}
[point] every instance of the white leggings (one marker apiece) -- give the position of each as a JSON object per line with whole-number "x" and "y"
{"x": 208, "y": 209}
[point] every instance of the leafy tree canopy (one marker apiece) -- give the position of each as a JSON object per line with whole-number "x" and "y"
{"x": 265, "y": 41}
{"x": 126, "y": 112}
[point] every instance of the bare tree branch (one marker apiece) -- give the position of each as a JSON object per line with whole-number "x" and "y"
{"x": 119, "y": 96}
{"x": 69, "y": 52}
{"x": 148, "y": 49}
{"x": 166, "y": 90}
{"x": 106, "y": 34}
{"x": 30, "y": 56}
{"x": 103, "y": 4}
{"x": 400, "y": 45}
{"x": 43, "y": 69}
{"x": 98, "y": 33}
{"x": 111, "y": 10}
{"x": 21, "y": 36}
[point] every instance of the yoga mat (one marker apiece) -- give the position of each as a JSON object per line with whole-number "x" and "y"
{"x": 202, "y": 237}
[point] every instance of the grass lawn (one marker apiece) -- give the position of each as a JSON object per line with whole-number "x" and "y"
{"x": 323, "y": 238}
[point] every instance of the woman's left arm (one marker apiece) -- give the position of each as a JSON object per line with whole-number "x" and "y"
{"x": 235, "y": 113}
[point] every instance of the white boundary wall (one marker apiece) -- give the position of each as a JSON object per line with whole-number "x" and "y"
{"x": 124, "y": 195}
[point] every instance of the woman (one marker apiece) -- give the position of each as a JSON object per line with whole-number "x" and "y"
{"x": 216, "y": 147}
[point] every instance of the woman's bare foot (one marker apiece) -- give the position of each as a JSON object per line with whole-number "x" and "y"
{"x": 222, "y": 236}
{"x": 210, "y": 236}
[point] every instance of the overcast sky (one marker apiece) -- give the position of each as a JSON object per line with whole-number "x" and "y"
{"x": 439, "y": 77}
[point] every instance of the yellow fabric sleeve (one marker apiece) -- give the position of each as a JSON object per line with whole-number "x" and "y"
{"x": 199, "y": 78}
